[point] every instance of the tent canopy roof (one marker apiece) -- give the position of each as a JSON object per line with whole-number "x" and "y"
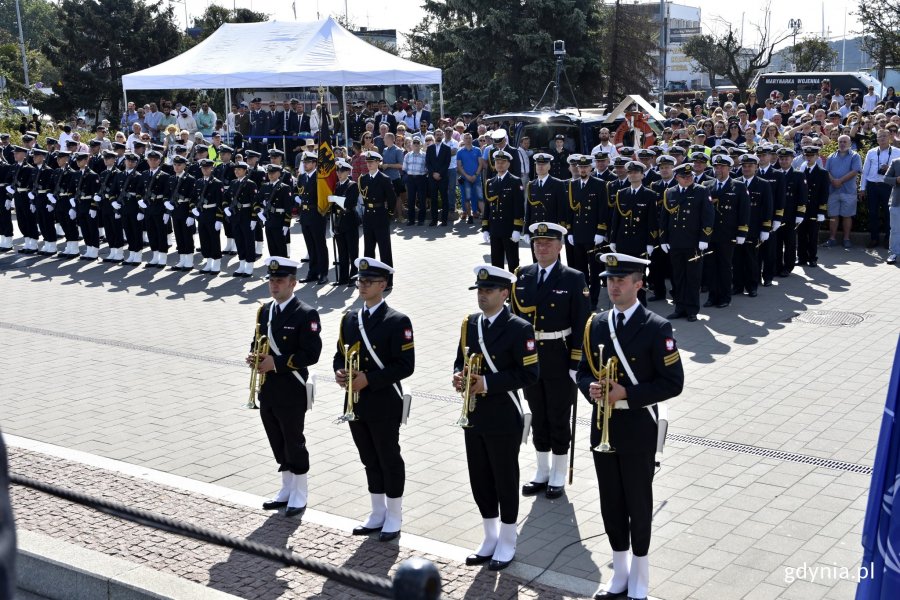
{"x": 240, "y": 55}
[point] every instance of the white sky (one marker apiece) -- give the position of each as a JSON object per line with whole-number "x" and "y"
{"x": 403, "y": 15}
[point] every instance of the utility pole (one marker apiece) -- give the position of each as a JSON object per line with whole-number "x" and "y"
{"x": 22, "y": 46}
{"x": 663, "y": 48}
{"x": 794, "y": 25}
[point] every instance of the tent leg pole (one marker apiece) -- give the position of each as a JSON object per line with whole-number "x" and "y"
{"x": 441, "y": 95}
{"x": 125, "y": 95}
{"x": 346, "y": 115}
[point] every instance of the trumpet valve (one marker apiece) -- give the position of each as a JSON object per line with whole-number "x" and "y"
{"x": 602, "y": 447}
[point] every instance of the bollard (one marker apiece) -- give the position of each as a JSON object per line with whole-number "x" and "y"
{"x": 417, "y": 579}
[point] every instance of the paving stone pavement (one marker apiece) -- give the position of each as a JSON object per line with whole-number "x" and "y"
{"x": 145, "y": 367}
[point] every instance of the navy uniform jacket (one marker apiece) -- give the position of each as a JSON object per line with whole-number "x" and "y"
{"x": 586, "y": 210}
{"x": 633, "y": 224}
{"x": 559, "y": 167}
{"x": 275, "y": 199}
{"x": 179, "y": 193}
{"x": 702, "y": 178}
{"x": 356, "y": 126}
{"x": 650, "y": 349}
{"x": 504, "y": 206}
{"x": 241, "y": 195}
{"x": 153, "y": 190}
{"x": 377, "y": 194}
{"x": 83, "y": 185}
{"x": 544, "y": 202}
{"x": 515, "y": 165}
{"x": 391, "y": 336}
{"x": 346, "y": 220}
{"x": 511, "y": 344}
{"x": 107, "y": 190}
{"x": 732, "y": 206}
{"x": 97, "y": 164}
{"x": 606, "y": 175}
{"x": 760, "y": 191}
{"x": 259, "y": 124}
{"x": 308, "y": 191}
{"x": 651, "y": 176}
{"x": 776, "y": 180}
{"x": 40, "y": 179}
{"x": 795, "y": 194}
{"x": 19, "y": 177}
{"x": 224, "y": 172}
{"x": 817, "y": 185}
{"x": 209, "y": 200}
{"x": 561, "y": 303}
{"x": 612, "y": 188}
{"x": 686, "y": 218}
{"x": 297, "y": 332}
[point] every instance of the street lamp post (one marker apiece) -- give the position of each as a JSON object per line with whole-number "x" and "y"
{"x": 22, "y": 44}
{"x": 794, "y": 25}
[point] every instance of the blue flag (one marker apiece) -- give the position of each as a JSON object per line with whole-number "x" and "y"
{"x": 880, "y": 569}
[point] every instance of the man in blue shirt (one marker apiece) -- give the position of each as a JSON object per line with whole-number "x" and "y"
{"x": 468, "y": 166}
{"x": 843, "y": 166}
{"x": 392, "y": 162}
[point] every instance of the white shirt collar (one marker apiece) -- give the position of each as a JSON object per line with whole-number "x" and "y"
{"x": 628, "y": 312}
{"x": 284, "y": 304}
{"x": 373, "y": 308}
{"x": 548, "y": 269}
{"x": 489, "y": 320}
{"x": 543, "y": 180}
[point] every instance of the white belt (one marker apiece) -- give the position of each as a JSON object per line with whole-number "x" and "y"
{"x": 553, "y": 335}
{"x": 209, "y": 205}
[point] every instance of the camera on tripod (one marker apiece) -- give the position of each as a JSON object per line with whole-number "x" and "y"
{"x": 559, "y": 48}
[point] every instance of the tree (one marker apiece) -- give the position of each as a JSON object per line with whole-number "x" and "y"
{"x": 632, "y": 47}
{"x": 11, "y": 68}
{"x": 498, "y": 55}
{"x": 881, "y": 36}
{"x": 704, "y": 51}
{"x": 215, "y": 16}
{"x": 39, "y": 22}
{"x": 101, "y": 40}
{"x": 813, "y": 54}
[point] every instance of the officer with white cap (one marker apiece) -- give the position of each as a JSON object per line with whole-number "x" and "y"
{"x": 378, "y": 198}
{"x": 312, "y": 221}
{"x": 345, "y": 222}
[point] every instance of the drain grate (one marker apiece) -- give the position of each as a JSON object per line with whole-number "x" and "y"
{"x": 827, "y": 318}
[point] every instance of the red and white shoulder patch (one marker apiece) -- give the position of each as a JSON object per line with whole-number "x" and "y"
{"x": 670, "y": 344}
{"x": 407, "y": 333}
{"x": 314, "y": 326}
{"x": 529, "y": 345}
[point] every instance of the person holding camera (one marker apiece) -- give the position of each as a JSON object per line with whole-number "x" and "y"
{"x": 874, "y": 190}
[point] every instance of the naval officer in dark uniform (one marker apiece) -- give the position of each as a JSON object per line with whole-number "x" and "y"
{"x": 649, "y": 372}
{"x": 275, "y": 200}
{"x": 586, "y": 221}
{"x": 795, "y": 198}
{"x": 746, "y": 258}
{"x": 545, "y": 196}
{"x": 554, "y": 298}
{"x": 383, "y": 337}
{"x": 242, "y": 211}
{"x": 494, "y": 430}
{"x": 504, "y": 213}
{"x": 378, "y": 198}
{"x": 345, "y": 223}
{"x": 312, "y": 222}
{"x": 732, "y": 206}
{"x": 294, "y": 332}
{"x": 633, "y": 220}
{"x": 686, "y": 222}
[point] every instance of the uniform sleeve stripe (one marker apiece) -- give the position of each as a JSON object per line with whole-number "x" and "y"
{"x": 530, "y": 360}
{"x": 671, "y": 359}
{"x": 408, "y": 346}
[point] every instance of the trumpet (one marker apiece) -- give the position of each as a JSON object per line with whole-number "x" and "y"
{"x": 260, "y": 351}
{"x": 607, "y": 374}
{"x": 472, "y": 366}
{"x": 351, "y": 365}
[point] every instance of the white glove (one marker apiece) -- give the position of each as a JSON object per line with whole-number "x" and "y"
{"x": 72, "y": 213}
{"x": 92, "y": 213}
{"x": 8, "y": 204}
{"x": 252, "y": 225}
{"x": 526, "y": 238}
{"x": 571, "y": 239}
{"x": 140, "y": 216}
{"x": 195, "y": 212}
{"x": 166, "y": 218}
{"x": 189, "y": 221}
{"x": 573, "y": 373}
{"x": 775, "y": 225}
{"x": 763, "y": 236}
{"x": 10, "y": 189}
{"x": 49, "y": 208}
{"x": 741, "y": 240}
{"x": 703, "y": 246}
{"x": 649, "y": 251}
{"x": 599, "y": 239}
{"x": 168, "y": 205}
{"x": 142, "y": 204}
{"x": 97, "y": 198}
{"x": 32, "y": 208}
{"x": 284, "y": 231}
{"x": 72, "y": 202}
{"x": 227, "y": 212}
{"x": 516, "y": 236}
{"x": 117, "y": 215}
{"x": 486, "y": 236}
{"x": 820, "y": 218}
{"x": 298, "y": 200}
{"x": 116, "y": 205}
{"x": 665, "y": 248}
{"x": 218, "y": 225}
{"x": 265, "y": 140}
{"x": 51, "y": 198}
{"x": 31, "y": 195}
{"x": 612, "y": 247}
{"x": 262, "y": 216}
{"x": 798, "y": 220}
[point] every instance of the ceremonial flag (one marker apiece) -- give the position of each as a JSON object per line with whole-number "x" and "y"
{"x": 879, "y": 574}
{"x": 326, "y": 175}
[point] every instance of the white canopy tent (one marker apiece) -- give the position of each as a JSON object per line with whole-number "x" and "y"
{"x": 277, "y": 54}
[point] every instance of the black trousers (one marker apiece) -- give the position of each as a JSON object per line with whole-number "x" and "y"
{"x": 438, "y": 189}
{"x": 210, "y": 239}
{"x": 6, "y": 224}
{"x": 767, "y": 258}
{"x": 112, "y": 226}
{"x": 243, "y": 236}
{"x": 377, "y": 232}
{"x": 228, "y": 229}
{"x": 686, "y": 280}
{"x": 314, "y": 237}
{"x": 808, "y": 241}
{"x": 416, "y": 197}
{"x": 276, "y": 241}
{"x": 184, "y": 235}
{"x": 379, "y": 450}
{"x": 578, "y": 257}
{"x": 550, "y": 400}
{"x": 785, "y": 247}
{"x": 347, "y": 252}
{"x": 90, "y": 227}
{"x": 718, "y": 268}
{"x": 24, "y": 217}
{"x": 746, "y": 267}
{"x": 503, "y": 247}
{"x": 626, "y": 499}
{"x": 157, "y": 232}
{"x": 69, "y": 226}
{"x": 283, "y": 422}
{"x": 134, "y": 231}
{"x": 878, "y": 196}
{"x": 46, "y": 219}
{"x": 493, "y": 461}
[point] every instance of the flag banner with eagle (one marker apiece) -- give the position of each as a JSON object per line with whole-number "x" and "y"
{"x": 326, "y": 175}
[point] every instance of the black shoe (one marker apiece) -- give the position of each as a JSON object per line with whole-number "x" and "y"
{"x": 736, "y": 291}
{"x": 362, "y": 530}
{"x": 675, "y": 315}
{"x": 47, "y": 253}
{"x": 723, "y": 305}
{"x": 85, "y": 258}
{"x": 633, "y": 598}
{"x": 532, "y": 488}
{"x": 148, "y": 266}
{"x": 477, "y": 559}
{"x": 784, "y": 273}
{"x": 801, "y": 263}
{"x": 499, "y": 565}
{"x": 409, "y": 223}
{"x": 691, "y": 318}
{"x": 469, "y": 220}
{"x": 304, "y": 260}
{"x": 387, "y": 536}
{"x": 813, "y": 263}
{"x": 655, "y": 298}
{"x": 554, "y": 491}
{"x": 872, "y": 244}
{"x": 294, "y": 511}
{"x": 421, "y": 223}
{"x": 230, "y": 252}
{"x": 708, "y": 303}
{"x": 433, "y": 224}
{"x": 322, "y": 280}
{"x": 753, "y": 293}
{"x": 237, "y": 274}
{"x": 767, "y": 283}
{"x": 159, "y": 266}
{"x": 273, "y": 505}
{"x": 604, "y": 595}
{"x": 442, "y": 224}
{"x": 308, "y": 279}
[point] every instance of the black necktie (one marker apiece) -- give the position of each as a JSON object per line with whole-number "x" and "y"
{"x": 620, "y": 322}
{"x": 542, "y": 277}
{"x": 487, "y": 324}
{"x": 366, "y": 315}
{"x": 277, "y": 309}
{"x": 718, "y": 187}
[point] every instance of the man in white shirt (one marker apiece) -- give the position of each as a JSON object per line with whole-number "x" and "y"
{"x": 605, "y": 145}
{"x": 874, "y": 190}
{"x": 870, "y": 100}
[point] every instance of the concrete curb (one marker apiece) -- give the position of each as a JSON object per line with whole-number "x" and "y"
{"x": 59, "y": 570}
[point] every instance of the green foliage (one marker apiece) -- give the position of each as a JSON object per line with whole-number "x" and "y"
{"x": 215, "y": 16}
{"x": 632, "y": 43}
{"x": 39, "y": 68}
{"x": 881, "y": 35}
{"x": 704, "y": 51}
{"x": 39, "y": 22}
{"x": 813, "y": 54}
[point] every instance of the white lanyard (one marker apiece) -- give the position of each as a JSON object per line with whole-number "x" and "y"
{"x": 365, "y": 338}
{"x": 624, "y": 361}
{"x": 274, "y": 345}
{"x": 490, "y": 363}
